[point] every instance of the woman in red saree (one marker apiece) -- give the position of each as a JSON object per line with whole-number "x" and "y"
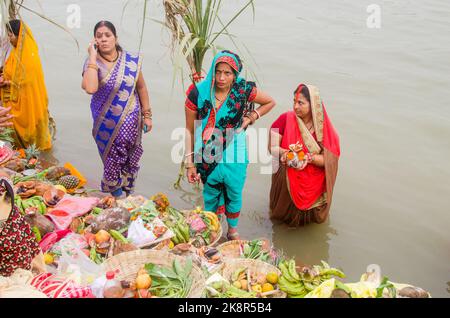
{"x": 302, "y": 189}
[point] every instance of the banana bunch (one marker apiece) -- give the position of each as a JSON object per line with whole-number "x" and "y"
{"x": 215, "y": 224}
{"x": 36, "y": 202}
{"x": 298, "y": 285}
{"x": 181, "y": 231}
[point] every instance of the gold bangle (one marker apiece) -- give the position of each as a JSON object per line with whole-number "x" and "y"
{"x": 188, "y": 166}
{"x": 93, "y": 66}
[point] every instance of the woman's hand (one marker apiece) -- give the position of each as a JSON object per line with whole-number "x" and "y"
{"x": 5, "y": 116}
{"x": 308, "y": 159}
{"x": 192, "y": 175}
{"x": 245, "y": 122}
{"x": 92, "y": 51}
{"x": 283, "y": 157}
{"x": 149, "y": 123}
{"x": 4, "y": 82}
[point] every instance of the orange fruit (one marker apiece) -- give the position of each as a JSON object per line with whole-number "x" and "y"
{"x": 143, "y": 281}
{"x": 267, "y": 287}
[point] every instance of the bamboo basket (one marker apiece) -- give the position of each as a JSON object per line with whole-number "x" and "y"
{"x": 129, "y": 263}
{"x": 219, "y": 233}
{"x": 252, "y": 265}
{"x": 231, "y": 249}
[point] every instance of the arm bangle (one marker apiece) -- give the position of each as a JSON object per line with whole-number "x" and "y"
{"x": 257, "y": 113}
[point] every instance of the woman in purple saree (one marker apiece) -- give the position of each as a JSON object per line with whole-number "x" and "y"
{"x": 120, "y": 108}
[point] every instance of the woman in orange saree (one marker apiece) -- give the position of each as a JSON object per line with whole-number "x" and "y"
{"x": 302, "y": 189}
{"x": 22, "y": 88}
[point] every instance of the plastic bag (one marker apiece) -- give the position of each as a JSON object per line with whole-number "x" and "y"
{"x": 74, "y": 264}
{"x": 132, "y": 202}
{"x": 111, "y": 219}
{"x": 50, "y": 239}
{"x": 140, "y": 236}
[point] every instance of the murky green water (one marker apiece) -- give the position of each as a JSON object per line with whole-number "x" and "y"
{"x": 386, "y": 91}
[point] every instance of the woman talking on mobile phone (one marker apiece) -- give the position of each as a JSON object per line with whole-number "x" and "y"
{"x": 120, "y": 107}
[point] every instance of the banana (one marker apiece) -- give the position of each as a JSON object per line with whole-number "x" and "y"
{"x": 179, "y": 236}
{"x": 325, "y": 265}
{"x": 288, "y": 286}
{"x": 333, "y": 272}
{"x": 175, "y": 240}
{"x": 309, "y": 286}
{"x": 185, "y": 231}
{"x": 118, "y": 236}
{"x": 292, "y": 270}
{"x": 285, "y": 273}
{"x": 42, "y": 208}
{"x": 214, "y": 220}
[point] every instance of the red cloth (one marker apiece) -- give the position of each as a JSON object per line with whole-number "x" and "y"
{"x": 307, "y": 185}
{"x": 68, "y": 208}
{"x": 279, "y": 124}
{"x": 59, "y": 287}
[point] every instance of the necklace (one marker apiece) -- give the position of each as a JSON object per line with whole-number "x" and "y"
{"x": 221, "y": 100}
{"x": 110, "y": 60}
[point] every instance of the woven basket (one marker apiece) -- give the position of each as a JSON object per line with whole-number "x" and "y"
{"x": 219, "y": 234}
{"x": 231, "y": 249}
{"x": 130, "y": 263}
{"x": 254, "y": 266}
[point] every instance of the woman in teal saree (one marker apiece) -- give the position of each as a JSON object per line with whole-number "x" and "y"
{"x": 218, "y": 111}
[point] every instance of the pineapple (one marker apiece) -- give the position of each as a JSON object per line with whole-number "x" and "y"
{"x": 69, "y": 182}
{"x": 32, "y": 152}
{"x": 55, "y": 173}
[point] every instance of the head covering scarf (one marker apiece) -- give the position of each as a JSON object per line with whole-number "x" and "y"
{"x": 308, "y": 185}
{"x": 27, "y": 94}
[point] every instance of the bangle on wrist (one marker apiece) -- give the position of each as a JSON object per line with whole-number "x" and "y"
{"x": 147, "y": 113}
{"x": 189, "y": 165}
{"x": 93, "y": 66}
{"x": 257, "y": 114}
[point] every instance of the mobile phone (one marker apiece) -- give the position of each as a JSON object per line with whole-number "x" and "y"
{"x": 95, "y": 46}
{"x": 145, "y": 128}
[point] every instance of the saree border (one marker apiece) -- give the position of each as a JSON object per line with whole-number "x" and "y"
{"x": 127, "y": 108}
{"x": 110, "y": 99}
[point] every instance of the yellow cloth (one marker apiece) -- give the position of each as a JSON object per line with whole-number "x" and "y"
{"x": 27, "y": 94}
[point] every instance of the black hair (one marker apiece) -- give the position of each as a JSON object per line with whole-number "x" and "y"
{"x": 111, "y": 27}
{"x": 304, "y": 91}
{"x": 14, "y": 26}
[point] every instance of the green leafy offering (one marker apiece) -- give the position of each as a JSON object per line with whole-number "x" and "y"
{"x": 385, "y": 283}
{"x": 172, "y": 282}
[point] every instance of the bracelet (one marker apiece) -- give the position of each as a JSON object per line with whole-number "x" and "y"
{"x": 147, "y": 114}
{"x": 189, "y": 154}
{"x": 257, "y": 113}
{"x": 93, "y": 66}
{"x": 188, "y": 166}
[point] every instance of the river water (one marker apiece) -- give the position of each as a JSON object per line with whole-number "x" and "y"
{"x": 386, "y": 90}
